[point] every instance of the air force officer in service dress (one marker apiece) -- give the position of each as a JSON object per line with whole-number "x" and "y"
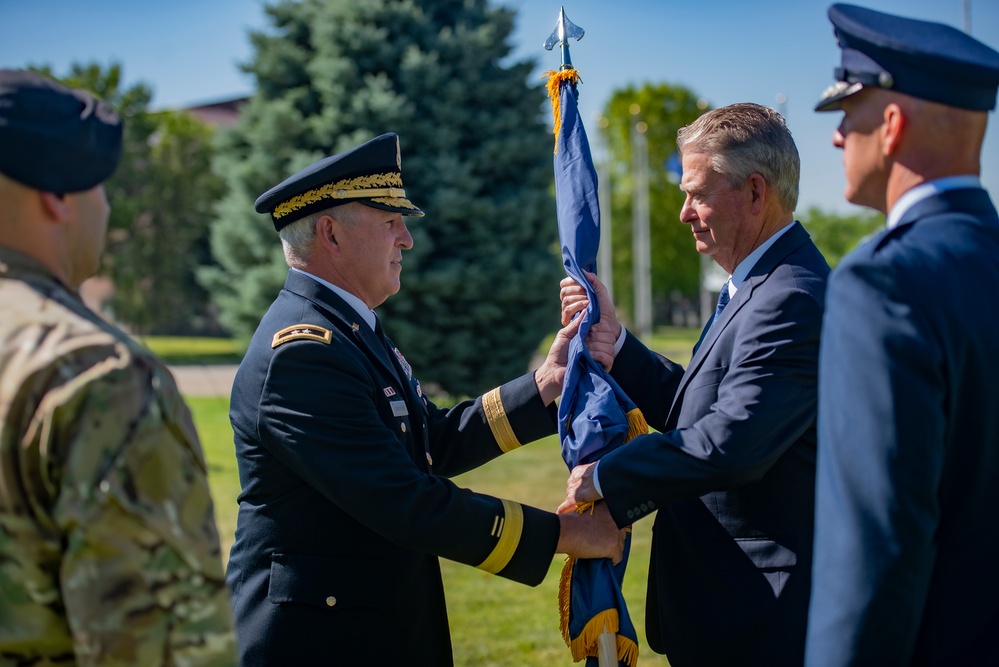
{"x": 907, "y": 534}
{"x": 343, "y": 460}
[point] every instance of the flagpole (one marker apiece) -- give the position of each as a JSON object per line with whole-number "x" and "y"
{"x": 605, "y": 256}
{"x": 564, "y": 30}
{"x": 607, "y": 649}
{"x": 641, "y": 242}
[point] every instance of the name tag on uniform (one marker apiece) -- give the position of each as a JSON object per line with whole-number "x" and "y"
{"x": 399, "y": 408}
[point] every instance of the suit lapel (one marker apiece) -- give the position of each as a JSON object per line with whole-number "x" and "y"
{"x": 790, "y": 241}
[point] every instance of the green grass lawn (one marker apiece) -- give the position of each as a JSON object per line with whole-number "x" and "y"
{"x": 211, "y": 416}
{"x": 494, "y": 622}
{"x": 186, "y": 350}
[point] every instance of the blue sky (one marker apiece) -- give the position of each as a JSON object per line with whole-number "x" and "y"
{"x": 725, "y": 50}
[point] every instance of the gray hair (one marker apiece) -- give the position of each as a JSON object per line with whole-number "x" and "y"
{"x": 743, "y": 139}
{"x": 298, "y": 238}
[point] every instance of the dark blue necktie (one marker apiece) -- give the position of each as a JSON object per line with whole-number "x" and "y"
{"x": 723, "y": 299}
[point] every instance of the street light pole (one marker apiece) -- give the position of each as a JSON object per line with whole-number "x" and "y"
{"x": 641, "y": 243}
{"x": 605, "y": 254}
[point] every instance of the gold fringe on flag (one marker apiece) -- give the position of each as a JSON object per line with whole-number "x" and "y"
{"x": 555, "y": 80}
{"x": 608, "y": 620}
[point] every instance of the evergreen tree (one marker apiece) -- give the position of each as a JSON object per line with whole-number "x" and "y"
{"x": 161, "y": 200}
{"x": 480, "y": 287}
{"x": 664, "y": 109}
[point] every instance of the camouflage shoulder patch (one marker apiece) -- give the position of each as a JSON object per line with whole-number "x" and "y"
{"x": 302, "y": 332}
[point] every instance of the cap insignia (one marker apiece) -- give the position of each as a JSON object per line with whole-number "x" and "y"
{"x": 361, "y": 187}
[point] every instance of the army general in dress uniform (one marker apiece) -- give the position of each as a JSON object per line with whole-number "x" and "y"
{"x": 343, "y": 460}
{"x": 108, "y": 549}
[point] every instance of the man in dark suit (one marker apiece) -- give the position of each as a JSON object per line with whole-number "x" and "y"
{"x": 907, "y": 493}
{"x": 731, "y": 471}
{"x": 345, "y": 504}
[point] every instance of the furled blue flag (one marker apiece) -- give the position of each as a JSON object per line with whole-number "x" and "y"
{"x": 594, "y": 415}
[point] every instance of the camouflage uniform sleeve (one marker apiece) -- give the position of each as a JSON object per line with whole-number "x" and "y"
{"x": 141, "y": 572}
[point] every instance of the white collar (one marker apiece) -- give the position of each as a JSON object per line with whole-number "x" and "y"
{"x": 359, "y": 306}
{"x": 745, "y": 266}
{"x": 928, "y": 189}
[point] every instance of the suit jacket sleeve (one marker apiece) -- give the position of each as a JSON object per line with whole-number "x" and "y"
{"x": 881, "y": 429}
{"x": 649, "y": 379}
{"x": 320, "y": 415}
{"x": 740, "y": 411}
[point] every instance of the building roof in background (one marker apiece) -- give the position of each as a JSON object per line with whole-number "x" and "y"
{"x": 221, "y": 113}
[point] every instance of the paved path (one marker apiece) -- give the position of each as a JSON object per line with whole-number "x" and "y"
{"x": 204, "y": 380}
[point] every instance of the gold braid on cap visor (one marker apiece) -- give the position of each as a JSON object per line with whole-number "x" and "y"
{"x": 386, "y": 187}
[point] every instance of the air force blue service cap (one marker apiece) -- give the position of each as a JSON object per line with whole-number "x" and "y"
{"x": 931, "y": 61}
{"x": 370, "y": 174}
{"x": 54, "y": 138}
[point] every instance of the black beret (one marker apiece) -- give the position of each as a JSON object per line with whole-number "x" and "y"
{"x": 370, "y": 174}
{"x": 931, "y": 61}
{"x": 54, "y": 138}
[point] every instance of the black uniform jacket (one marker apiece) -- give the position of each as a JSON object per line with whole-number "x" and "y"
{"x": 345, "y": 505}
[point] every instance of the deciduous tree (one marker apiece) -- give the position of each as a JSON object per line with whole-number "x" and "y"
{"x": 836, "y": 235}
{"x": 662, "y": 109}
{"x": 162, "y": 196}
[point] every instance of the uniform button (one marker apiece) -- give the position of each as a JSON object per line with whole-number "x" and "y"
{"x": 402, "y": 426}
{"x": 645, "y": 508}
{"x": 631, "y": 514}
{"x": 652, "y": 505}
{"x": 430, "y": 459}
{"x": 330, "y": 601}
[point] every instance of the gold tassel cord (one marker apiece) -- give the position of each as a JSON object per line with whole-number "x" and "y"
{"x": 555, "y": 80}
{"x": 636, "y": 425}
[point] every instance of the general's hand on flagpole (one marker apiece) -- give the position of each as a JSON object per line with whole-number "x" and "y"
{"x": 551, "y": 373}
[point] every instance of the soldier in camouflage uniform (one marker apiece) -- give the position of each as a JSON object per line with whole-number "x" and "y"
{"x": 108, "y": 548}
